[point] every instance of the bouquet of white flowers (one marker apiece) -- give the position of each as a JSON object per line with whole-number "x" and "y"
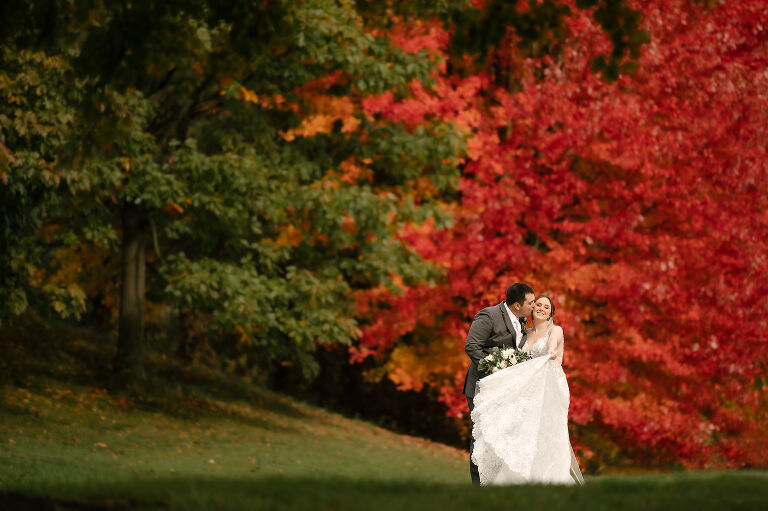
{"x": 501, "y": 358}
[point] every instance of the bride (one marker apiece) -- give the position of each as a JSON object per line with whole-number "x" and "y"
{"x": 521, "y": 413}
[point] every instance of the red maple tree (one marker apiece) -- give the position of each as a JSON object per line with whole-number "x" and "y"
{"x": 638, "y": 204}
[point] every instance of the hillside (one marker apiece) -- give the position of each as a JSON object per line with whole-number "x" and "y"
{"x": 200, "y": 440}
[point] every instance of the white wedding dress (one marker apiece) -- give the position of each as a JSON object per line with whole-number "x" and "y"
{"x": 520, "y": 423}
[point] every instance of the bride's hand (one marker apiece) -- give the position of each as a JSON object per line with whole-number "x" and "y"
{"x": 552, "y": 354}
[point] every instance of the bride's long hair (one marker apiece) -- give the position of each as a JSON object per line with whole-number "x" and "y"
{"x": 550, "y": 321}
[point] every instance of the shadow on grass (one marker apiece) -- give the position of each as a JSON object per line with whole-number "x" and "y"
{"x": 37, "y": 358}
{"x": 681, "y": 492}
{"x": 203, "y": 381}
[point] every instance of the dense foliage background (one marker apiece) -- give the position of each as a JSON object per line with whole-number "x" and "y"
{"x": 239, "y": 185}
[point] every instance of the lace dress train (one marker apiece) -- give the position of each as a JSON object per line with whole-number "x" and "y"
{"x": 520, "y": 425}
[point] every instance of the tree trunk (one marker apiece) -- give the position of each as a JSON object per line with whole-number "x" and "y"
{"x": 129, "y": 360}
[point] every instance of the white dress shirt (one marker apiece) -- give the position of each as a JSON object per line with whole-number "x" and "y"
{"x": 516, "y": 325}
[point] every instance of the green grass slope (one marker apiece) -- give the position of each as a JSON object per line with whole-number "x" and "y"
{"x": 197, "y": 440}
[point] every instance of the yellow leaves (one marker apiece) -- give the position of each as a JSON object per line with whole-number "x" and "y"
{"x": 406, "y": 369}
{"x": 72, "y": 271}
{"x": 264, "y": 101}
{"x": 70, "y": 262}
{"x": 411, "y": 367}
{"x": 242, "y": 336}
{"x": 249, "y": 96}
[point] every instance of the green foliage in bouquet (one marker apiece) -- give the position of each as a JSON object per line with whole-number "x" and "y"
{"x": 501, "y": 358}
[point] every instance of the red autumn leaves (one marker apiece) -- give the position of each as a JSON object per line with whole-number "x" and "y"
{"x": 638, "y": 204}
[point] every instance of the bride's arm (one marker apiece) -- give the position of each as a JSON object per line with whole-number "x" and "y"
{"x": 555, "y": 344}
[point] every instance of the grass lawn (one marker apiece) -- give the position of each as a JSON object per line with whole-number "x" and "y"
{"x": 203, "y": 441}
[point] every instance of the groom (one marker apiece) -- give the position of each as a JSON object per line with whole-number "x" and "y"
{"x": 497, "y": 325}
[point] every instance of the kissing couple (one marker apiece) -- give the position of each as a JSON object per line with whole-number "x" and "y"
{"x": 520, "y": 410}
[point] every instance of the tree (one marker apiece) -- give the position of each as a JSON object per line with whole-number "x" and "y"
{"x": 35, "y": 122}
{"x": 636, "y": 203}
{"x": 222, "y": 151}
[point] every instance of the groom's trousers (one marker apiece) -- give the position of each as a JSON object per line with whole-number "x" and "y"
{"x": 474, "y": 473}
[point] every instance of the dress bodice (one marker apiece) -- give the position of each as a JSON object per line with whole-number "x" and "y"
{"x": 539, "y": 348}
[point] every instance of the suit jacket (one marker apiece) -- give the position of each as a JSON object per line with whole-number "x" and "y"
{"x": 491, "y": 327}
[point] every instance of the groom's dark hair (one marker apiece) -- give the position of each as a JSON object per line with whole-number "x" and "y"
{"x": 516, "y": 293}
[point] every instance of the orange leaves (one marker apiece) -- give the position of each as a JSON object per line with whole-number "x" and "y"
{"x": 351, "y": 173}
{"x": 275, "y": 101}
{"x": 397, "y": 281}
{"x": 173, "y": 208}
{"x": 249, "y": 96}
{"x": 289, "y": 235}
{"x": 348, "y": 225}
{"x": 264, "y": 101}
{"x": 125, "y": 163}
{"x": 425, "y": 188}
{"x": 6, "y": 159}
{"x": 324, "y": 112}
{"x": 412, "y": 367}
{"x": 197, "y": 67}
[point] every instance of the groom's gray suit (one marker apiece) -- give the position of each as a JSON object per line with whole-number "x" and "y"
{"x": 491, "y": 327}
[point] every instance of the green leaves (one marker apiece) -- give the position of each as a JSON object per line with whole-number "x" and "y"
{"x": 281, "y": 316}
{"x": 332, "y": 33}
{"x": 238, "y": 133}
{"x": 35, "y": 122}
{"x": 622, "y": 24}
{"x": 540, "y": 28}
